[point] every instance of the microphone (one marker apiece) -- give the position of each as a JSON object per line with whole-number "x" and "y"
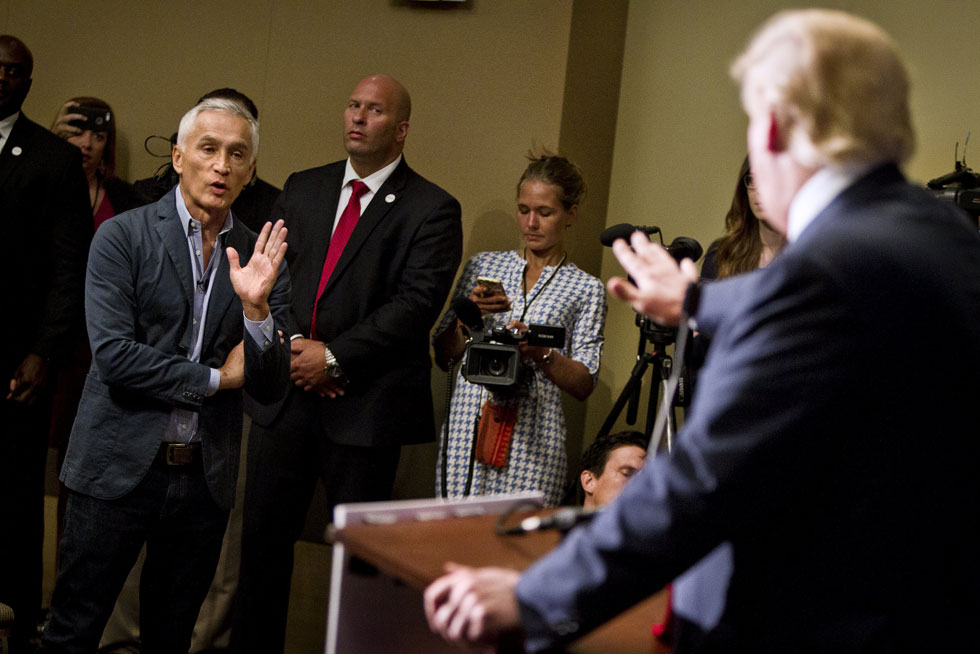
{"x": 470, "y": 314}
{"x": 562, "y": 520}
{"x": 683, "y": 247}
{"x": 623, "y": 230}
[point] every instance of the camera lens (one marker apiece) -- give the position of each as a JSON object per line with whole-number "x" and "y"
{"x": 496, "y": 366}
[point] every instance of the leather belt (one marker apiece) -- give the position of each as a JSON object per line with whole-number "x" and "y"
{"x": 177, "y": 454}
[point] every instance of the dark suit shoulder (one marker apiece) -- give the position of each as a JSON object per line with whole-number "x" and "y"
{"x": 423, "y": 185}
{"x": 317, "y": 174}
{"x": 36, "y": 139}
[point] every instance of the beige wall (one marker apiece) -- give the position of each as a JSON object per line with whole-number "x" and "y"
{"x": 681, "y": 133}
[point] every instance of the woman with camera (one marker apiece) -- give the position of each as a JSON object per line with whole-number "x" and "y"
{"x": 90, "y": 124}
{"x": 507, "y": 439}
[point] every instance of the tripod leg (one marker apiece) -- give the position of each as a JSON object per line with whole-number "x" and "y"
{"x": 631, "y": 389}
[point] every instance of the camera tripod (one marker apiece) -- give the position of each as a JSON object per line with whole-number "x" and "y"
{"x": 662, "y": 364}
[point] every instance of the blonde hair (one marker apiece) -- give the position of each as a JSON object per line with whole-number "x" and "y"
{"x": 836, "y": 83}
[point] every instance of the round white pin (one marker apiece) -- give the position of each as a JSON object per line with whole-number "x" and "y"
{"x": 390, "y": 198}
{"x": 16, "y": 151}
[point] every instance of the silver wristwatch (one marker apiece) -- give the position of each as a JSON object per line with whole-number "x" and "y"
{"x": 330, "y": 366}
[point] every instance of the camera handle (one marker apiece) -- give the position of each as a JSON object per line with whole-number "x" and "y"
{"x": 662, "y": 365}
{"x": 444, "y": 446}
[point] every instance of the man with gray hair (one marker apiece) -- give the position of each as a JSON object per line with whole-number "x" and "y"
{"x": 182, "y": 306}
{"x": 848, "y": 491}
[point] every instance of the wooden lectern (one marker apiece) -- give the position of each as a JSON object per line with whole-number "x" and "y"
{"x": 378, "y": 607}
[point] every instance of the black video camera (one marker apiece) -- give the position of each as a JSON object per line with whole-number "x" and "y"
{"x": 492, "y": 357}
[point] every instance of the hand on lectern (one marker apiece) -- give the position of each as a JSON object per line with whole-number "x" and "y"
{"x": 473, "y": 607}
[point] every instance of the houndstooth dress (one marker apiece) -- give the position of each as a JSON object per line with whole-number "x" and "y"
{"x": 565, "y": 296}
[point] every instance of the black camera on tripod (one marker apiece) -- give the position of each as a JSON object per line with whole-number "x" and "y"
{"x": 492, "y": 357}
{"x": 961, "y": 187}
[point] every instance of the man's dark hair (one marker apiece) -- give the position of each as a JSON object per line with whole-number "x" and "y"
{"x": 595, "y": 456}
{"x": 232, "y": 94}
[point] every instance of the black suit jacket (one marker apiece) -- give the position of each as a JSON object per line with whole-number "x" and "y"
{"x": 383, "y": 297}
{"x": 832, "y": 440}
{"x": 47, "y": 226}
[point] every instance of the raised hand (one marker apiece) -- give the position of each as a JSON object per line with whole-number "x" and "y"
{"x": 659, "y": 284}
{"x": 62, "y": 121}
{"x": 254, "y": 282}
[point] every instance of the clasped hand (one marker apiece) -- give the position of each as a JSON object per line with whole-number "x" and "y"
{"x": 307, "y": 368}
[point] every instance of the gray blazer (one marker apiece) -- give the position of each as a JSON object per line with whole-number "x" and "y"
{"x": 139, "y": 313}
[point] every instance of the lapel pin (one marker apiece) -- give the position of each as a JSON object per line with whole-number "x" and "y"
{"x": 390, "y": 198}
{"x": 16, "y": 151}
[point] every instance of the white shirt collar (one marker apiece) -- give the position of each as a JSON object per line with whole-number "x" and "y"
{"x": 375, "y": 179}
{"x": 819, "y": 191}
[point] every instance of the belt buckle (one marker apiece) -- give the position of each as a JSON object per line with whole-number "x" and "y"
{"x": 173, "y": 452}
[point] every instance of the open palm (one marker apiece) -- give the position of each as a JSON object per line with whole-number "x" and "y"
{"x": 255, "y": 280}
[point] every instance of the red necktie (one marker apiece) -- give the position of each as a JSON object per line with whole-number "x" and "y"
{"x": 345, "y": 226}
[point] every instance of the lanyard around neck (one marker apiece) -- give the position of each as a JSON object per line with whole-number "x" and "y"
{"x": 527, "y": 303}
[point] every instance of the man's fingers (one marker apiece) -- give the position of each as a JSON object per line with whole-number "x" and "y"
{"x": 624, "y": 254}
{"x": 459, "y": 627}
{"x": 233, "y": 262}
{"x": 621, "y": 288}
{"x": 263, "y": 238}
{"x": 690, "y": 270}
{"x": 279, "y": 255}
{"x": 278, "y": 235}
{"x": 434, "y": 597}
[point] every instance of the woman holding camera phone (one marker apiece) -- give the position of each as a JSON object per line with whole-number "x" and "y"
{"x": 90, "y": 124}
{"x": 504, "y": 440}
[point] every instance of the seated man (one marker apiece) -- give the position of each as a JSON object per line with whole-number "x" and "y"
{"x": 608, "y": 463}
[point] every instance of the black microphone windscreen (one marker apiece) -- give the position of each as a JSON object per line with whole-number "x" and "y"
{"x": 467, "y": 311}
{"x": 611, "y": 234}
{"x": 683, "y": 247}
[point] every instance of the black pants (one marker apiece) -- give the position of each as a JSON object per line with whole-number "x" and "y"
{"x": 172, "y": 511}
{"x": 23, "y": 450}
{"x": 283, "y": 465}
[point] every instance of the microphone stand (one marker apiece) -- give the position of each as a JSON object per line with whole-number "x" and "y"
{"x": 662, "y": 364}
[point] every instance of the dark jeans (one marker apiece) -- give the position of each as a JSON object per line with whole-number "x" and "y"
{"x": 23, "y": 449}
{"x": 172, "y": 511}
{"x": 284, "y": 462}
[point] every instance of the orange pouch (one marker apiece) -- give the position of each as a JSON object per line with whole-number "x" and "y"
{"x": 493, "y": 436}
